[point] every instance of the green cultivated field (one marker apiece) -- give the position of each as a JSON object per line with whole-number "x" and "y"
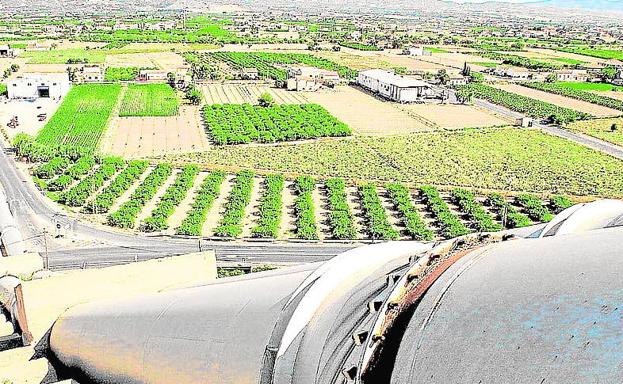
{"x": 245, "y": 123}
{"x": 82, "y": 117}
{"x": 532, "y": 107}
{"x": 149, "y": 100}
{"x": 599, "y": 53}
{"x": 574, "y": 93}
{"x": 584, "y": 86}
{"x": 503, "y": 159}
{"x": 601, "y": 129}
{"x": 61, "y": 56}
{"x": 114, "y": 74}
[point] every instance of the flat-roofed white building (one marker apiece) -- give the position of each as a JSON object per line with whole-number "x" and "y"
{"x": 417, "y": 51}
{"x": 402, "y": 89}
{"x": 152, "y": 75}
{"x": 89, "y": 74}
{"x": 39, "y": 85}
{"x": 310, "y": 78}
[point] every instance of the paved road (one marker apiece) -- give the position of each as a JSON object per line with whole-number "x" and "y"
{"x": 587, "y": 141}
{"x": 33, "y": 214}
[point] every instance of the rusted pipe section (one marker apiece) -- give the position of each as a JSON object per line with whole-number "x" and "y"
{"x": 13, "y": 307}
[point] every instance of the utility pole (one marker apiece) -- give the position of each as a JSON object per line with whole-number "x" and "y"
{"x": 46, "y": 260}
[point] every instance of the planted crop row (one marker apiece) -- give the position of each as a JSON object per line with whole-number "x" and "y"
{"x": 173, "y": 196}
{"x": 578, "y": 94}
{"x": 266, "y": 62}
{"x": 507, "y": 213}
{"x": 304, "y": 208}
{"x": 378, "y": 225}
{"x": 270, "y": 208}
{"x": 81, "y": 167}
{"x": 78, "y": 195}
{"x": 105, "y": 200}
{"x": 207, "y": 193}
{"x": 359, "y": 46}
{"x": 415, "y": 227}
{"x": 534, "y": 208}
{"x": 520, "y": 61}
{"x": 149, "y": 100}
{"x": 526, "y": 105}
{"x": 126, "y": 215}
{"x": 450, "y": 225}
{"x": 56, "y": 166}
{"x": 237, "y": 201}
{"x": 340, "y": 216}
{"x": 82, "y": 117}
{"x": 236, "y": 124}
{"x": 482, "y": 221}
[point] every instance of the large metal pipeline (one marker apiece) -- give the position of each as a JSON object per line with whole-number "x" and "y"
{"x": 10, "y": 237}
{"x": 482, "y": 308}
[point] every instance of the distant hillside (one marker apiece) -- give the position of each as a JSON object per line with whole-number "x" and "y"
{"x": 586, "y": 4}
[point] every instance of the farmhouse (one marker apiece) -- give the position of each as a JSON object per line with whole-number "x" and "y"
{"x": 572, "y": 75}
{"x": 417, "y": 51}
{"x": 36, "y": 85}
{"x": 393, "y": 87}
{"x": 516, "y": 73}
{"x": 310, "y": 78}
{"x": 89, "y": 74}
{"x": 6, "y": 51}
{"x": 457, "y": 80}
{"x": 152, "y": 75}
{"x": 249, "y": 74}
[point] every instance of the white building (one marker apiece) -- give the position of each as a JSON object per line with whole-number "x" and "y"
{"x": 89, "y": 74}
{"x": 516, "y": 73}
{"x": 417, "y": 51}
{"x": 36, "y": 85}
{"x": 572, "y": 75}
{"x": 6, "y": 51}
{"x": 394, "y": 87}
{"x": 456, "y": 80}
{"x": 152, "y": 75}
{"x": 310, "y": 78}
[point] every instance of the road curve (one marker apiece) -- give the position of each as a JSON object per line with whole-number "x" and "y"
{"x": 33, "y": 214}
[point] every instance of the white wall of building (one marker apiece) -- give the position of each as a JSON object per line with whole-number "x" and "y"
{"x": 34, "y": 86}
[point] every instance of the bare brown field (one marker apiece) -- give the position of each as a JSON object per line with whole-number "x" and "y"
{"x": 365, "y": 114}
{"x": 541, "y": 52}
{"x": 562, "y": 101}
{"x": 451, "y": 116}
{"x": 6, "y": 63}
{"x": 43, "y": 68}
{"x": 612, "y": 94}
{"x": 457, "y": 60}
{"x": 162, "y": 60}
{"x": 236, "y": 93}
{"x": 135, "y": 137}
{"x": 355, "y": 61}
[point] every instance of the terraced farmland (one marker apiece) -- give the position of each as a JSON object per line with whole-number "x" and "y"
{"x": 82, "y": 117}
{"x": 193, "y": 202}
